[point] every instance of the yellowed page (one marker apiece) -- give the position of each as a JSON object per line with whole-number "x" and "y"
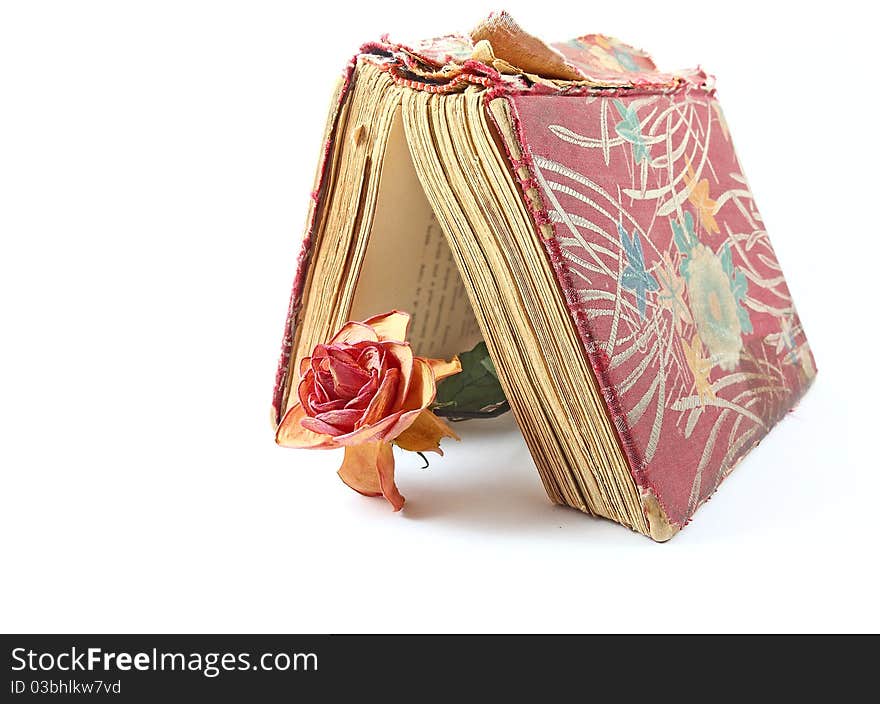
{"x": 408, "y": 265}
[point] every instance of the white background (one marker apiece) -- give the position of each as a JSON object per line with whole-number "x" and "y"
{"x": 155, "y": 165}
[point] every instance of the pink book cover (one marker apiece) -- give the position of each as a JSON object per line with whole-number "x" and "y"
{"x": 667, "y": 269}
{"x": 657, "y": 243}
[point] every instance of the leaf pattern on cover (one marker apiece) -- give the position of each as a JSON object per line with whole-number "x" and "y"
{"x": 634, "y": 276}
{"x": 631, "y": 130}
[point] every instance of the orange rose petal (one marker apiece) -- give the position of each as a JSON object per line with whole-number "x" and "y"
{"x": 321, "y": 427}
{"x": 290, "y": 432}
{"x": 359, "y": 469}
{"x": 403, "y": 422}
{"x": 425, "y": 433}
{"x": 369, "y": 470}
{"x": 342, "y": 418}
{"x": 422, "y": 388}
{"x": 304, "y": 365}
{"x": 443, "y": 369}
{"x": 402, "y": 352}
{"x": 385, "y": 465}
{"x": 392, "y": 327}
{"x": 369, "y": 433}
{"x": 354, "y": 332}
{"x": 382, "y": 404}
{"x": 302, "y": 391}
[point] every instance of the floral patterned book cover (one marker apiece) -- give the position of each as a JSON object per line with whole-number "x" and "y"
{"x": 667, "y": 269}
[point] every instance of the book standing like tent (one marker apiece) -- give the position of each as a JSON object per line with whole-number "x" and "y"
{"x": 586, "y": 216}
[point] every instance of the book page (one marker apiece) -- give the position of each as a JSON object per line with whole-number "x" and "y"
{"x": 408, "y": 265}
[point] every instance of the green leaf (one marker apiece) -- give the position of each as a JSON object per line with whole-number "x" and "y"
{"x": 489, "y": 364}
{"x": 475, "y": 391}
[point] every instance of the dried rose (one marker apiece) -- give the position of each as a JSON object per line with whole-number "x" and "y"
{"x": 362, "y": 391}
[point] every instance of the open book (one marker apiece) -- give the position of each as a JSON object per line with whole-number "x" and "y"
{"x": 586, "y": 216}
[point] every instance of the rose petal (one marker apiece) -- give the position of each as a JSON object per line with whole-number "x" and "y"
{"x": 323, "y": 385}
{"x": 385, "y": 465}
{"x": 421, "y": 394}
{"x": 319, "y": 358}
{"x": 304, "y": 364}
{"x": 369, "y": 470}
{"x": 370, "y": 358}
{"x": 315, "y": 407}
{"x": 372, "y": 384}
{"x": 354, "y": 332}
{"x": 402, "y": 355}
{"x": 443, "y": 369}
{"x": 316, "y": 425}
{"x": 347, "y": 379}
{"x": 365, "y": 394}
{"x": 422, "y": 389}
{"x": 344, "y": 355}
{"x": 382, "y": 404}
{"x": 391, "y": 326}
{"x": 344, "y": 419}
{"x": 425, "y": 433}
{"x": 359, "y": 469}
{"x": 305, "y": 388}
{"x": 291, "y": 433}
{"x": 369, "y": 433}
{"x": 404, "y": 420}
